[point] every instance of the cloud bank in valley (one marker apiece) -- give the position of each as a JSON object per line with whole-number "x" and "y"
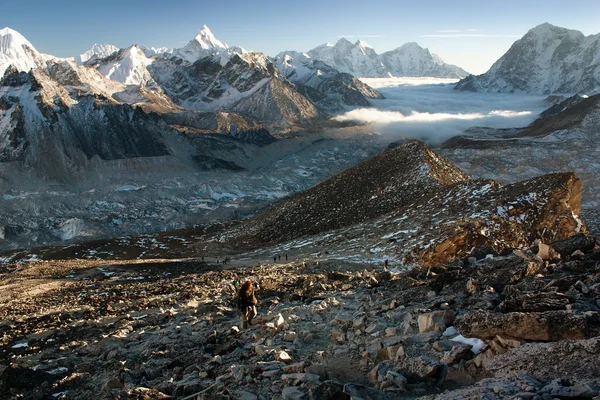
{"x": 429, "y": 109}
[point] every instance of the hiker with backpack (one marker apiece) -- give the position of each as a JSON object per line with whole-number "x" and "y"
{"x": 247, "y": 303}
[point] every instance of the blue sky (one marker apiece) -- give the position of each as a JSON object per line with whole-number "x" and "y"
{"x": 471, "y": 34}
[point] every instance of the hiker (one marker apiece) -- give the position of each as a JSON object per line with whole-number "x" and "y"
{"x": 275, "y": 260}
{"x": 247, "y": 304}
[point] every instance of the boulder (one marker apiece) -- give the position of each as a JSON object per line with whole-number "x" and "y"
{"x": 292, "y": 393}
{"x": 581, "y": 241}
{"x": 417, "y": 367}
{"x": 458, "y": 353}
{"x": 545, "y": 326}
{"x": 435, "y": 321}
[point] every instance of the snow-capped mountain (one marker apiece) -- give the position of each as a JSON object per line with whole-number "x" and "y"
{"x": 361, "y": 60}
{"x": 203, "y": 45}
{"x": 412, "y": 60}
{"x": 547, "y": 59}
{"x": 322, "y": 84}
{"x": 156, "y": 51}
{"x": 98, "y": 51}
{"x": 15, "y": 50}
{"x": 128, "y": 66}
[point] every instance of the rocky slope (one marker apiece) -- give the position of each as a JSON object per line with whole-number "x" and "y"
{"x": 548, "y": 59}
{"x": 410, "y": 202}
{"x": 564, "y": 138}
{"x": 522, "y": 325}
{"x": 361, "y": 60}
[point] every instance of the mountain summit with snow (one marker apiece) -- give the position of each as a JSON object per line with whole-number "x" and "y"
{"x": 547, "y": 59}
{"x": 361, "y": 60}
{"x": 15, "y": 50}
{"x": 203, "y": 45}
{"x": 98, "y": 51}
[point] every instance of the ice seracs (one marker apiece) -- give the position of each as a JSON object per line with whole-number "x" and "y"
{"x": 547, "y": 59}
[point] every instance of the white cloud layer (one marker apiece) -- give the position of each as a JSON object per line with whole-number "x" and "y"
{"x": 429, "y": 109}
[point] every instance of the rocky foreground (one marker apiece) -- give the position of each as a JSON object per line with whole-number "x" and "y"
{"x": 158, "y": 329}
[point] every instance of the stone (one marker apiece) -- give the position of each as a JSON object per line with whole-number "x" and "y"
{"x": 581, "y": 241}
{"x": 436, "y": 320}
{"x": 417, "y": 367}
{"x": 443, "y": 345}
{"x": 279, "y": 321}
{"x": 472, "y": 286}
{"x": 289, "y": 336}
{"x": 509, "y": 342}
{"x": 389, "y": 353}
{"x": 283, "y": 356}
{"x": 390, "y": 331}
{"x": 458, "y": 353}
{"x": 359, "y": 322}
{"x": 294, "y": 368}
{"x": 546, "y": 253}
{"x": 379, "y": 371}
{"x": 113, "y": 383}
{"x": 217, "y": 359}
{"x": 396, "y": 378}
{"x": 271, "y": 373}
{"x": 238, "y": 372}
{"x": 337, "y": 335}
{"x": 292, "y": 393}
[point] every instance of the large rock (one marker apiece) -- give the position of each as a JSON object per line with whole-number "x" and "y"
{"x": 547, "y": 326}
{"x": 580, "y": 242}
{"x": 435, "y": 321}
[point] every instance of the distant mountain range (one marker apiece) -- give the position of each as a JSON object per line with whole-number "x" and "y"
{"x": 548, "y": 59}
{"x": 58, "y": 113}
{"x": 361, "y": 60}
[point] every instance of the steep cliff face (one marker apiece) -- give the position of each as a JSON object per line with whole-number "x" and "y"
{"x": 547, "y": 59}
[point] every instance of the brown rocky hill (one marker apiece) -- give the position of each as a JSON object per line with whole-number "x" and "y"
{"x": 390, "y": 181}
{"x": 409, "y": 204}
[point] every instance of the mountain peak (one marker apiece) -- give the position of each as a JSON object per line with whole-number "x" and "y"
{"x": 15, "y": 50}
{"x": 98, "y": 50}
{"x": 361, "y": 43}
{"x": 207, "y": 40}
{"x": 9, "y": 38}
{"x": 343, "y": 42}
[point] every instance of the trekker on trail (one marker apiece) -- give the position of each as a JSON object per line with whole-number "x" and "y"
{"x": 247, "y": 304}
